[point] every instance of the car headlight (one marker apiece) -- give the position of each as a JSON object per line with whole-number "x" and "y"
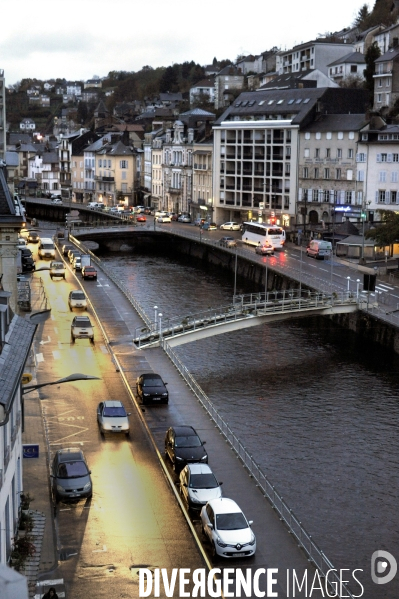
{"x": 220, "y": 542}
{"x": 107, "y": 427}
{"x": 60, "y": 489}
{"x": 252, "y": 541}
{"x": 179, "y": 459}
{"x": 164, "y": 394}
{"x": 204, "y": 458}
{"x": 194, "y": 499}
{"x": 146, "y": 394}
{"x": 87, "y": 487}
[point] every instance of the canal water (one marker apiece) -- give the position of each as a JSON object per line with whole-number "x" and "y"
{"x": 317, "y": 408}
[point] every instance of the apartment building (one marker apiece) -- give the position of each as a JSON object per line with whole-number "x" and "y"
{"x": 202, "y": 193}
{"x": 386, "y": 79}
{"x": 329, "y": 185}
{"x": 177, "y": 170}
{"x": 115, "y": 173}
{"x": 256, "y": 145}
{"x": 311, "y": 55}
{"x": 378, "y": 156}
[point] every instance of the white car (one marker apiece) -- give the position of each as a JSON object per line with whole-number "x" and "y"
{"x": 198, "y": 485}
{"x": 56, "y": 200}
{"x": 57, "y": 269}
{"x": 112, "y": 417}
{"x": 231, "y": 226}
{"x": 77, "y": 263}
{"x": 77, "y": 299}
{"x": 227, "y": 529}
{"x": 165, "y": 218}
{"x": 160, "y": 213}
{"x": 21, "y": 243}
{"x": 81, "y": 328}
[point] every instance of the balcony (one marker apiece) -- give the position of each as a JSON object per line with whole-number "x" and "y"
{"x": 104, "y": 179}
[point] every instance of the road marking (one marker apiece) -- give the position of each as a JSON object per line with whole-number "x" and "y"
{"x": 103, "y": 349}
{"x": 100, "y": 550}
{"x": 56, "y": 330}
{"x": 44, "y": 342}
{"x": 51, "y": 582}
{"x": 386, "y": 286}
{"x": 56, "y": 355}
{"x": 39, "y": 358}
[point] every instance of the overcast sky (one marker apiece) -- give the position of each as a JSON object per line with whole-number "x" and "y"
{"x": 81, "y": 38}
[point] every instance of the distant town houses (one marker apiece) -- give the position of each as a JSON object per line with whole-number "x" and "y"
{"x": 289, "y": 140}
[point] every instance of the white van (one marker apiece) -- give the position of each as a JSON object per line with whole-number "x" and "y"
{"x": 46, "y": 248}
{"x": 319, "y": 249}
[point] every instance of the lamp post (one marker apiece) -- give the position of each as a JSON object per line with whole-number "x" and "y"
{"x": 68, "y": 379}
{"x": 349, "y": 282}
{"x": 265, "y": 280}
{"x": 357, "y": 288}
{"x": 235, "y": 274}
{"x": 160, "y": 326}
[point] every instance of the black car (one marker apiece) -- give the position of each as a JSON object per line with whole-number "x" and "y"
{"x": 28, "y": 264}
{"x": 150, "y": 387}
{"x": 183, "y": 446}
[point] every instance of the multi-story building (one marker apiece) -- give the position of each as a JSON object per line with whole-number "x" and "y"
{"x": 329, "y": 184}
{"x": 387, "y": 37}
{"x": 44, "y": 167}
{"x": 351, "y": 65}
{"x": 89, "y": 157}
{"x": 2, "y": 116}
{"x": 156, "y": 173}
{"x": 177, "y": 168}
{"x": 256, "y": 144}
{"x": 203, "y": 91}
{"x": 202, "y": 195}
{"x": 16, "y": 335}
{"x": 386, "y": 79}
{"x": 311, "y": 55}
{"x": 115, "y": 173}
{"x": 378, "y": 156}
{"x": 228, "y": 82}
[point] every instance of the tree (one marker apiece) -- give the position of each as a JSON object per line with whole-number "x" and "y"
{"x": 386, "y": 233}
{"x": 371, "y": 56}
{"x": 362, "y": 18}
{"x": 352, "y": 82}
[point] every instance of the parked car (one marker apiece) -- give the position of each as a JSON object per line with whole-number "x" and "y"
{"x": 198, "y": 485}
{"x": 112, "y": 417}
{"x": 100, "y": 205}
{"x": 56, "y": 200}
{"x": 77, "y": 263}
{"x": 183, "y": 446}
{"x": 164, "y": 219}
{"x": 57, "y": 269}
{"x": 160, "y": 213}
{"x": 70, "y": 475}
{"x": 89, "y": 272}
{"x": 141, "y": 218}
{"x": 228, "y": 242}
{"x": 231, "y": 226}
{"x": 148, "y": 210}
{"x": 28, "y": 264}
{"x": 173, "y": 216}
{"x": 138, "y": 209}
{"x": 199, "y": 222}
{"x": 209, "y": 227}
{"x": 93, "y": 205}
{"x": 184, "y": 218}
{"x": 33, "y": 237}
{"x": 21, "y": 243}
{"x": 319, "y": 249}
{"x": 81, "y": 328}
{"x": 227, "y": 529}
{"x": 151, "y": 387}
{"x": 65, "y": 248}
{"x": 265, "y": 250}
{"x": 77, "y": 299}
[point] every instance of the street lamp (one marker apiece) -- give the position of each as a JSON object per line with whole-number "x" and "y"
{"x": 235, "y": 274}
{"x": 349, "y": 282}
{"x": 67, "y": 379}
{"x": 155, "y": 315}
{"x": 357, "y": 288}
{"x": 160, "y": 326}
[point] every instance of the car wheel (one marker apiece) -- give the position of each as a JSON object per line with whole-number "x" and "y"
{"x": 127, "y": 434}
{"x": 72, "y": 339}
{"x": 92, "y": 340}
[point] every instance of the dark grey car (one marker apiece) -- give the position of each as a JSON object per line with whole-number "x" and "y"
{"x": 183, "y": 446}
{"x": 70, "y": 475}
{"x": 150, "y": 387}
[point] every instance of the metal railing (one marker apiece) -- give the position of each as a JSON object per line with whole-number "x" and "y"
{"x": 244, "y": 306}
{"x": 294, "y": 526}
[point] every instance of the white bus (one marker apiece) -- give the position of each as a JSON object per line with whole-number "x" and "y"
{"x": 260, "y": 233}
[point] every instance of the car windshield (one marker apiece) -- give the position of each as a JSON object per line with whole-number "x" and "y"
{"x": 78, "y": 295}
{"x": 114, "y": 411}
{"x": 57, "y": 265}
{"x": 191, "y": 441}
{"x": 153, "y": 383}
{"x": 203, "y": 481}
{"x": 231, "y": 521}
{"x": 72, "y": 470}
{"x": 89, "y": 269}
{"x": 82, "y": 322}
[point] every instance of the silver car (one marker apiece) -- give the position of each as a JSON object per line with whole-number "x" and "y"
{"x": 112, "y": 417}
{"x": 198, "y": 485}
{"x": 77, "y": 299}
{"x": 70, "y": 475}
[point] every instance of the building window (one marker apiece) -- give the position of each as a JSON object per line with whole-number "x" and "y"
{"x": 316, "y": 173}
{"x": 318, "y": 135}
{"x": 317, "y": 153}
{"x": 382, "y": 177}
{"x": 307, "y": 135}
{"x": 328, "y": 135}
{"x": 350, "y": 153}
{"x": 328, "y": 153}
{"x": 326, "y": 173}
{"x": 348, "y": 197}
{"x": 379, "y": 82}
{"x": 394, "y": 177}
{"x": 379, "y": 98}
{"x": 349, "y": 174}
{"x": 339, "y": 153}
{"x": 340, "y": 135}
{"x": 381, "y": 196}
{"x": 123, "y": 164}
{"x": 338, "y": 173}
{"x": 361, "y": 157}
{"x": 307, "y": 153}
{"x": 360, "y": 175}
{"x": 305, "y": 172}
{"x": 394, "y": 197}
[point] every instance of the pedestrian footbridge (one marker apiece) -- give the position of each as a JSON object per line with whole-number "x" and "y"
{"x": 246, "y": 311}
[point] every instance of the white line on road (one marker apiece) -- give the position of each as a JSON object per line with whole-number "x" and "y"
{"x": 39, "y": 358}
{"x": 56, "y": 355}
{"x": 103, "y": 349}
{"x": 386, "y": 286}
{"x": 100, "y": 550}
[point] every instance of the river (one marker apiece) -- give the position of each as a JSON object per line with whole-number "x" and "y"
{"x": 316, "y": 407}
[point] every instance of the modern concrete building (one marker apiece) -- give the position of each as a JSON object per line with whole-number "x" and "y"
{"x": 311, "y": 55}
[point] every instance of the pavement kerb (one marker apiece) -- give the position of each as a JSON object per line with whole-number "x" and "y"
{"x": 145, "y": 426}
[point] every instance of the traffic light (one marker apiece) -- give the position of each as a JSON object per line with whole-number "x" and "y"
{"x": 363, "y": 216}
